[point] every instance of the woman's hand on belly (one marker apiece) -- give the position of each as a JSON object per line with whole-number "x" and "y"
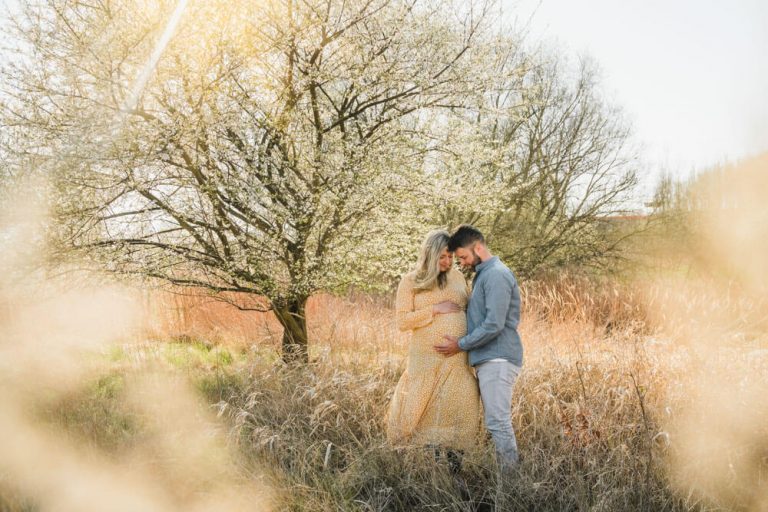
{"x": 446, "y": 307}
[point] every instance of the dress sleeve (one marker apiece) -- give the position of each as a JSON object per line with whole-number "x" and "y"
{"x": 409, "y": 318}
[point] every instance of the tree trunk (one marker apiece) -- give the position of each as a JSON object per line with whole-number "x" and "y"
{"x": 294, "y": 321}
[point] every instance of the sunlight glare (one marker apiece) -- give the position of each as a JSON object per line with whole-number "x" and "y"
{"x": 149, "y": 67}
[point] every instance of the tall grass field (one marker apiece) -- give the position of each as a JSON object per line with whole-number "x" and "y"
{"x": 634, "y": 396}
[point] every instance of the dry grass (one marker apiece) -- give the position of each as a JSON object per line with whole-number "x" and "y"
{"x": 614, "y": 411}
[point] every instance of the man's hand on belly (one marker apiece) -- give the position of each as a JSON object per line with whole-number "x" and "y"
{"x": 449, "y": 347}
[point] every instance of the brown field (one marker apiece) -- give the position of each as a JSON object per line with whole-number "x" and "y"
{"x": 634, "y": 397}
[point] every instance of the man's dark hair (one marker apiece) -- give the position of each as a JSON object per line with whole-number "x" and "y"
{"x": 464, "y": 236}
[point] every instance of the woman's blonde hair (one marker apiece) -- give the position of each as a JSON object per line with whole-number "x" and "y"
{"x": 428, "y": 265}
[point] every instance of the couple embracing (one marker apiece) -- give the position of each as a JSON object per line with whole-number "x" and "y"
{"x": 439, "y": 400}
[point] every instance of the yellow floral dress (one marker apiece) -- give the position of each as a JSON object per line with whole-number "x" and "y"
{"x": 437, "y": 400}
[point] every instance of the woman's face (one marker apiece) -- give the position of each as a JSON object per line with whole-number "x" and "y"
{"x": 446, "y": 260}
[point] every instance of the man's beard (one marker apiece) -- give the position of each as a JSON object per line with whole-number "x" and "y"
{"x": 473, "y": 265}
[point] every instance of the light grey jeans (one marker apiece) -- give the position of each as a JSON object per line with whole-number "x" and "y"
{"x": 496, "y": 380}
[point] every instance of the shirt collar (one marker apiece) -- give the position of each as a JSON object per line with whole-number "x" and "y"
{"x": 486, "y": 263}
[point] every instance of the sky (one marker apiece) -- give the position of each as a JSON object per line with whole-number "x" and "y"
{"x": 691, "y": 75}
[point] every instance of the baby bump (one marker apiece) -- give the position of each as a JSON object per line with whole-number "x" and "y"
{"x": 422, "y": 347}
{"x": 454, "y": 324}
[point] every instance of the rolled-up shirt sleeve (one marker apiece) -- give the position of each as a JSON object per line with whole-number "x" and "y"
{"x": 408, "y": 317}
{"x": 498, "y": 295}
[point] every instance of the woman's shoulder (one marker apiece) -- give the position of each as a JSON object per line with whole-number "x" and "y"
{"x": 408, "y": 277}
{"x": 455, "y": 273}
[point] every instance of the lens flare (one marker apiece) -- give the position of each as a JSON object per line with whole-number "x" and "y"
{"x": 141, "y": 81}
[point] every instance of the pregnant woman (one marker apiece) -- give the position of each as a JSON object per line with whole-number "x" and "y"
{"x": 437, "y": 401}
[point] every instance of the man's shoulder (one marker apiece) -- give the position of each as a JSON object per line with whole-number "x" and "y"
{"x": 500, "y": 271}
{"x": 499, "y": 267}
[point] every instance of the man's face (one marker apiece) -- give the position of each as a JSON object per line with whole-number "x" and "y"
{"x": 467, "y": 256}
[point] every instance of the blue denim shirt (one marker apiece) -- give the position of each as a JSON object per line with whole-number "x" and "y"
{"x": 493, "y": 315}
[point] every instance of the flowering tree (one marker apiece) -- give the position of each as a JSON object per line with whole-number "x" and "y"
{"x": 239, "y": 145}
{"x": 546, "y": 160}
{"x": 280, "y": 148}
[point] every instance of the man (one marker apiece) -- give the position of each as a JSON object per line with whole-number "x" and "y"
{"x": 492, "y": 340}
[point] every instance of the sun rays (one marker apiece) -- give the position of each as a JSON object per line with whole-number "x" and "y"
{"x": 146, "y": 72}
